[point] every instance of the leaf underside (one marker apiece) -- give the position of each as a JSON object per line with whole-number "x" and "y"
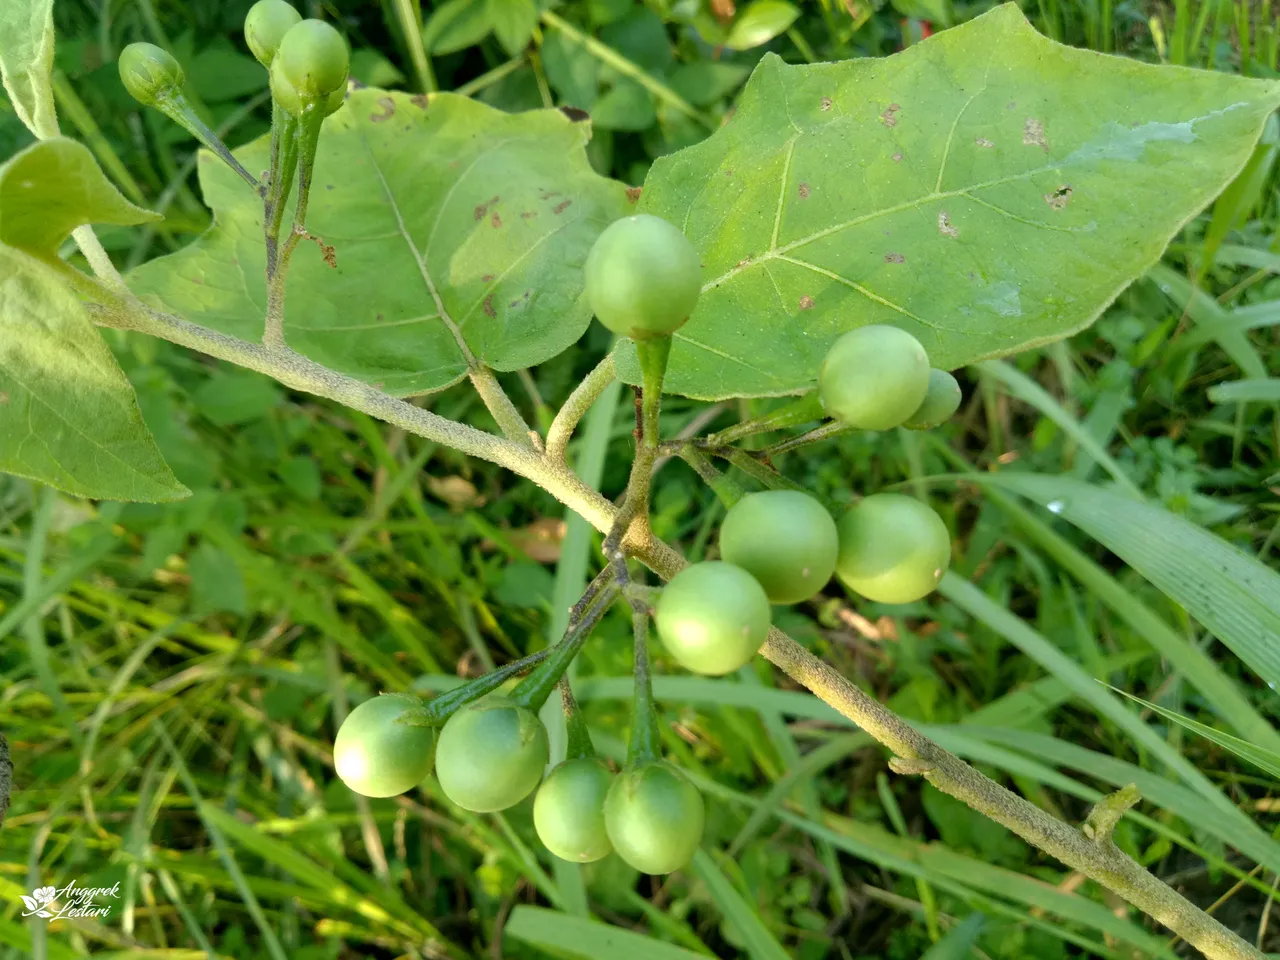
{"x": 68, "y": 415}
{"x": 988, "y": 190}
{"x": 458, "y": 232}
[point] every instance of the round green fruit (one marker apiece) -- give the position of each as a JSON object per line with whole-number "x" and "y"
{"x": 783, "y": 538}
{"x": 491, "y": 754}
{"x": 265, "y": 26}
{"x": 874, "y": 377}
{"x": 893, "y": 548}
{"x": 654, "y": 817}
{"x": 712, "y": 617}
{"x": 314, "y": 58}
{"x": 941, "y": 401}
{"x": 568, "y": 811}
{"x": 643, "y": 277}
{"x": 149, "y": 73}
{"x": 292, "y": 102}
{"x": 376, "y": 755}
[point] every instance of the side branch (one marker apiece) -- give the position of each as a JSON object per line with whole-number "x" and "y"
{"x": 575, "y": 408}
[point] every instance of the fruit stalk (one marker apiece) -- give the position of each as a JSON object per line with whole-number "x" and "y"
{"x": 534, "y": 690}
{"x": 802, "y": 410}
{"x": 305, "y": 138}
{"x": 645, "y": 743}
{"x": 579, "y": 738}
{"x": 284, "y": 164}
{"x": 437, "y": 711}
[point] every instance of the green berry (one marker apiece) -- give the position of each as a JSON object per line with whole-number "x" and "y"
{"x": 874, "y": 377}
{"x": 940, "y": 402}
{"x": 149, "y": 73}
{"x": 654, "y": 817}
{"x": 314, "y": 58}
{"x": 783, "y": 538}
{"x": 712, "y": 617}
{"x": 491, "y": 754}
{"x": 292, "y": 102}
{"x": 893, "y": 548}
{"x": 265, "y": 26}
{"x": 643, "y": 277}
{"x": 376, "y": 755}
{"x": 568, "y": 811}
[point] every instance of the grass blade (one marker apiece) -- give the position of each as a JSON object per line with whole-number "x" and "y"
{"x": 572, "y": 936}
{"x": 957, "y": 944}
{"x": 760, "y": 943}
{"x": 1243, "y": 391}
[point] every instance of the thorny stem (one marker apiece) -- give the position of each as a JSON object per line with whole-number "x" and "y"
{"x": 1102, "y": 862}
{"x": 575, "y": 408}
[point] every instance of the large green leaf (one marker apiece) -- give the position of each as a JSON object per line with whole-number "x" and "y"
{"x": 52, "y": 187}
{"x": 987, "y": 189}
{"x": 1235, "y": 596}
{"x": 26, "y": 62}
{"x": 458, "y": 231}
{"x": 68, "y": 416}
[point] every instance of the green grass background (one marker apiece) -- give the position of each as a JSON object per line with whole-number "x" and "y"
{"x": 171, "y": 676}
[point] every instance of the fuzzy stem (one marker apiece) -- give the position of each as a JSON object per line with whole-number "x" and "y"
{"x": 579, "y": 738}
{"x": 827, "y": 430}
{"x": 441, "y": 708}
{"x": 726, "y": 489}
{"x": 534, "y": 689}
{"x": 503, "y": 410}
{"x": 179, "y": 111}
{"x": 803, "y": 409}
{"x": 1102, "y": 862}
{"x": 575, "y": 408}
{"x": 645, "y": 742}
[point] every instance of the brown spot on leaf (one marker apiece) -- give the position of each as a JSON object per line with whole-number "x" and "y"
{"x": 825, "y": 103}
{"x": 890, "y": 117}
{"x": 548, "y": 194}
{"x": 1011, "y": 105}
{"x": 742, "y": 263}
{"x": 495, "y": 221}
{"x": 894, "y": 258}
{"x": 388, "y": 110}
{"x": 483, "y": 208}
{"x": 1058, "y": 199}
{"x": 420, "y": 100}
{"x": 803, "y": 191}
{"x": 897, "y": 158}
{"x": 984, "y": 142}
{"x": 560, "y": 207}
{"x": 1033, "y": 134}
{"x": 575, "y": 114}
{"x": 806, "y": 302}
{"x": 633, "y": 194}
{"x": 945, "y": 227}
{"x": 528, "y": 215}
{"x": 488, "y": 307}
{"x": 519, "y": 300}
{"x": 487, "y": 278}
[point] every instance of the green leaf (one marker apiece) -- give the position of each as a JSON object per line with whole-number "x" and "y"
{"x": 987, "y": 189}
{"x": 456, "y": 25}
{"x": 216, "y": 583}
{"x": 473, "y": 225}
{"x": 575, "y": 937}
{"x": 957, "y": 944}
{"x": 233, "y": 397}
{"x": 52, "y": 187}
{"x": 628, "y": 106}
{"x": 745, "y": 919}
{"x": 26, "y": 62}
{"x": 760, "y": 22}
{"x": 513, "y": 23}
{"x": 1232, "y": 594}
{"x": 68, "y": 416}
{"x": 1244, "y": 391}
{"x": 705, "y": 82}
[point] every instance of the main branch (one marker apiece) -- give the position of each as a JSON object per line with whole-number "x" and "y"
{"x": 1097, "y": 857}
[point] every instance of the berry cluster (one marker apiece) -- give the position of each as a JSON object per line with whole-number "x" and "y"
{"x": 642, "y": 279}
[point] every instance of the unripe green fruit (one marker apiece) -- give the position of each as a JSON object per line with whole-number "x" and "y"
{"x": 712, "y": 617}
{"x": 941, "y": 401}
{"x": 874, "y": 377}
{"x": 783, "y": 538}
{"x": 654, "y": 817}
{"x": 265, "y": 26}
{"x": 893, "y": 548}
{"x": 377, "y": 756}
{"x": 643, "y": 277}
{"x": 491, "y": 754}
{"x": 149, "y": 73}
{"x": 568, "y": 811}
{"x": 314, "y": 58}
{"x": 292, "y": 102}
